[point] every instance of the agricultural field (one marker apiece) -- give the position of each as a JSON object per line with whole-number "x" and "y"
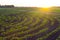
{"x": 29, "y": 24}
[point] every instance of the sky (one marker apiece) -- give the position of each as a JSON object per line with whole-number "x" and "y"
{"x": 31, "y": 3}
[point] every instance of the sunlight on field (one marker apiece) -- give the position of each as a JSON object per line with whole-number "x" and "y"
{"x": 45, "y": 10}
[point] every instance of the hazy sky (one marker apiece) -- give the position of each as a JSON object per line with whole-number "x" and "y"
{"x": 37, "y": 3}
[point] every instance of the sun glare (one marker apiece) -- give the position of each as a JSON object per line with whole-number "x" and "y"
{"x": 45, "y": 10}
{"x": 46, "y": 7}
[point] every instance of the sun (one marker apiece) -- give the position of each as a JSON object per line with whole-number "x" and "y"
{"x": 46, "y": 5}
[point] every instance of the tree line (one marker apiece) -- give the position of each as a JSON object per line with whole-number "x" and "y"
{"x": 6, "y": 6}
